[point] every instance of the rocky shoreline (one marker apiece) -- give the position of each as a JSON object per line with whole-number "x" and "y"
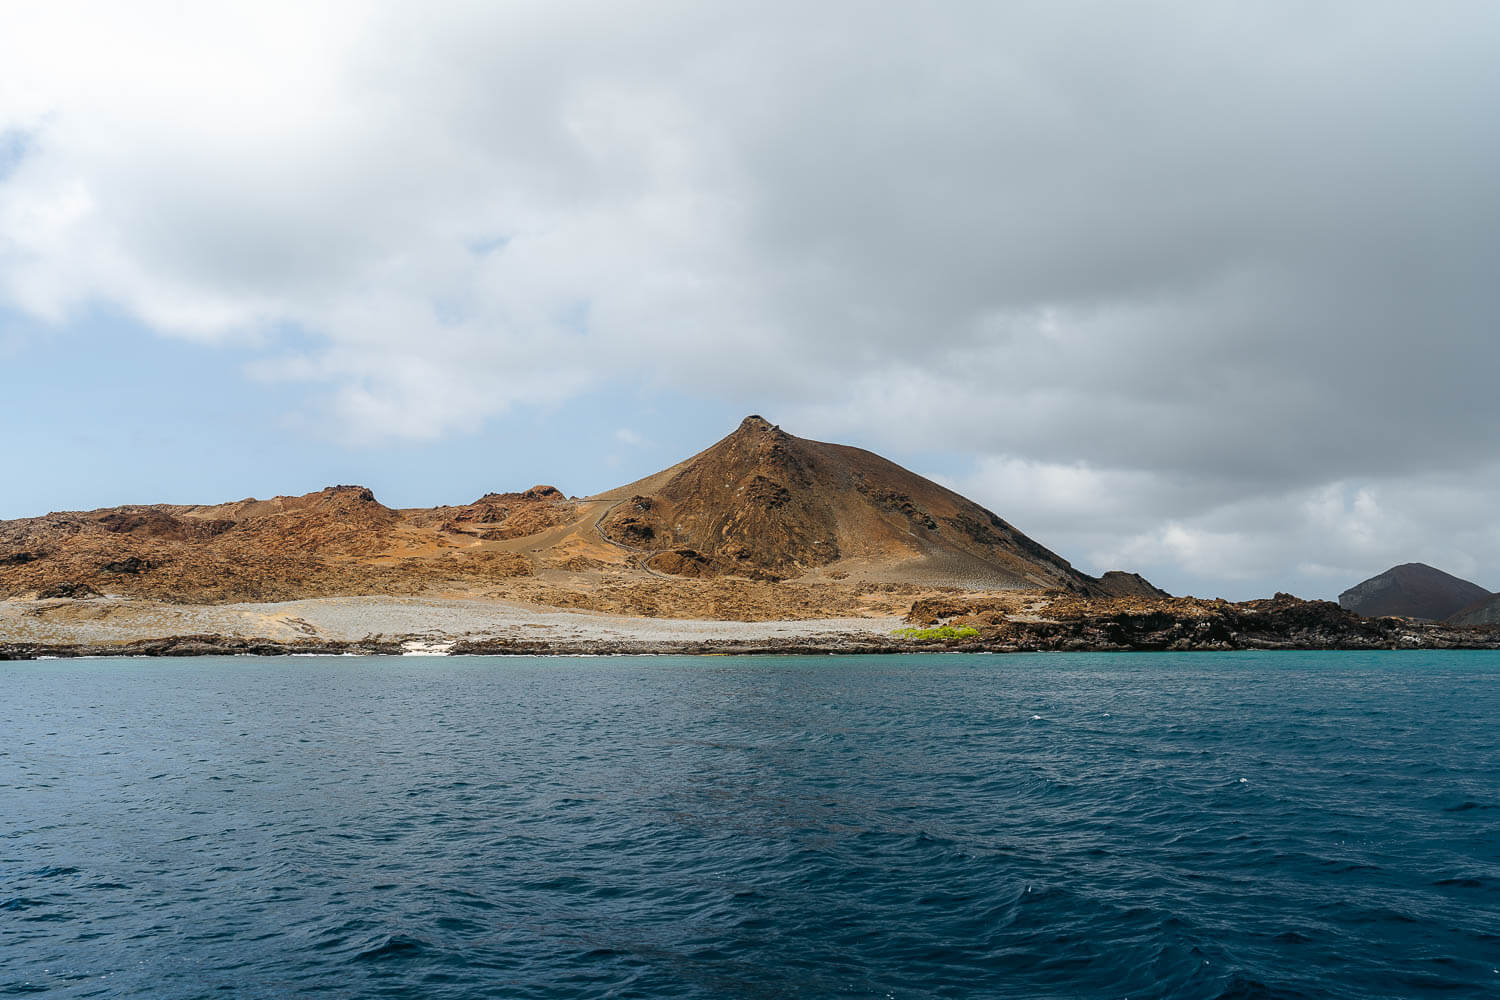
{"x": 1006, "y": 622}
{"x": 1175, "y": 625}
{"x": 1186, "y": 624}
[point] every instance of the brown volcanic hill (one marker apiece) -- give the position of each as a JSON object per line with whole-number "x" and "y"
{"x": 340, "y": 540}
{"x": 721, "y": 533}
{"x": 1412, "y": 590}
{"x": 764, "y": 504}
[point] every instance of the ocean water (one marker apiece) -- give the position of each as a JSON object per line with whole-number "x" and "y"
{"x": 1190, "y": 825}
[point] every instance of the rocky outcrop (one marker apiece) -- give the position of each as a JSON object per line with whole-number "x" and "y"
{"x": 632, "y": 523}
{"x": 500, "y": 516}
{"x": 132, "y": 564}
{"x": 70, "y": 590}
{"x": 684, "y": 562}
{"x": 1065, "y": 622}
{"x": 159, "y": 523}
{"x": 1413, "y": 590}
{"x": 1116, "y": 583}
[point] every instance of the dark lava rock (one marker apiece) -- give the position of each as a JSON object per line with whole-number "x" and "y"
{"x": 633, "y": 530}
{"x": 683, "y": 562}
{"x": 897, "y": 502}
{"x": 148, "y": 522}
{"x": 1283, "y": 622}
{"x": 132, "y": 565}
{"x": 632, "y": 524}
{"x": 75, "y": 591}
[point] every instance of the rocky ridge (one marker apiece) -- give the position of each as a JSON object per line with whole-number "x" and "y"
{"x": 759, "y": 509}
{"x": 339, "y": 540}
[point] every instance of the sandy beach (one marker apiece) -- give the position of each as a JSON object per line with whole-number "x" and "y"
{"x": 348, "y": 619}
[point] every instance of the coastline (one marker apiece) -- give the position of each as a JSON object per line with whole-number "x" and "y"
{"x": 187, "y": 646}
{"x": 380, "y": 625}
{"x": 823, "y": 645}
{"x": 432, "y": 625}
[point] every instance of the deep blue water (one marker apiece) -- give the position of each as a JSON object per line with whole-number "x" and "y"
{"x": 1192, "y": 825}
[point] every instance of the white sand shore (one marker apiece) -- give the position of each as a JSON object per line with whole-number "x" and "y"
{"x": 113, "y": 619}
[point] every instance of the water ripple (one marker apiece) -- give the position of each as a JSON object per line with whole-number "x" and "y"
{"x": 1186, "y": 826}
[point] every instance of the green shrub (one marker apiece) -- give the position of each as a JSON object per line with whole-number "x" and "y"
{"x": 939, "y": 632}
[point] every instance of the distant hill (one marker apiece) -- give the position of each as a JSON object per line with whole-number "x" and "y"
{"x": 1484, "y": 612}
{"x": 1413, "y": 590}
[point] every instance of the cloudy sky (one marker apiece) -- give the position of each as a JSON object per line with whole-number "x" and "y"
{"x": 1205, "y": 290}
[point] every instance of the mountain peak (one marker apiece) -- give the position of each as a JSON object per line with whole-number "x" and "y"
{"x": 756, "y": 424}
{"x": 1412, "y": 590}
{"x": 765, "y": 503}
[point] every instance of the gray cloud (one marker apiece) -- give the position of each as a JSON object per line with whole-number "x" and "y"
{"x": 1228, "y": 260}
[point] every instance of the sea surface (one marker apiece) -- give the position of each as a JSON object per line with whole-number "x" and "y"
{"x": 1117, "y": 825}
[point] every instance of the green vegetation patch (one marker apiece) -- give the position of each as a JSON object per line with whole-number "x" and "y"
{"x": 939, "y": 632}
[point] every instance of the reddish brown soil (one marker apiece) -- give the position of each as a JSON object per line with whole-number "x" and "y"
{"x": 340, "y": 540}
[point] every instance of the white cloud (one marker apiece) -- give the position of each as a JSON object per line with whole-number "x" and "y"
{"x": 1160, "y": 267}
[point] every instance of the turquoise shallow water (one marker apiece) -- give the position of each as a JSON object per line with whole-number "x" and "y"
{"x": 1193, "y": 825}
